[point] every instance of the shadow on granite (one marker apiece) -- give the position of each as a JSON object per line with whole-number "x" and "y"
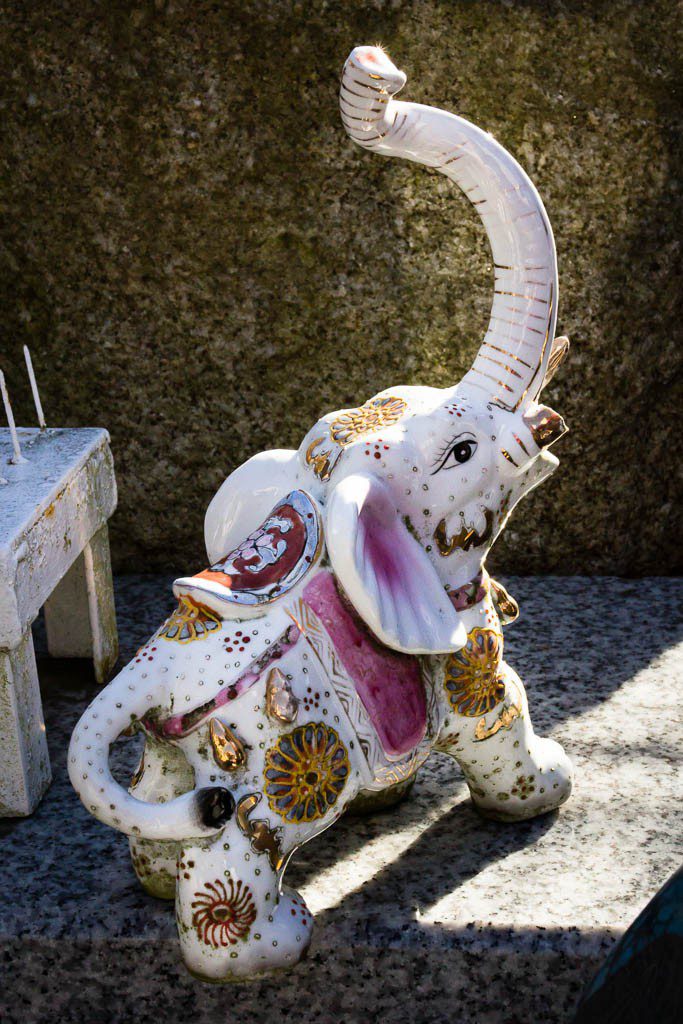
{"x": 426, "y": 913}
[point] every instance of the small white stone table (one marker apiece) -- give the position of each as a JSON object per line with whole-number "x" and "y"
{"x": 54, "y": 554}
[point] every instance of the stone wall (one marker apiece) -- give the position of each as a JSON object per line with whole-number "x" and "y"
{"x": 203, "y": 263}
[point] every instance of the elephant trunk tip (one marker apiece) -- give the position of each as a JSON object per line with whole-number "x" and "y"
{"x": 216, "y": 806}
{"x": 375, "y": 62}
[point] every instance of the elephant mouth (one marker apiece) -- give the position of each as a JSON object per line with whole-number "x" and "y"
{"x": 468, "y": 537}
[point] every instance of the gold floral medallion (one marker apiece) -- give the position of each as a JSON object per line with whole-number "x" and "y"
{"x": 305, "y": 772}
{"x": 374, "y": 415}
{"x": 472, "y": 677}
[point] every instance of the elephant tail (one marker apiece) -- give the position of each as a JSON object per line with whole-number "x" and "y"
{"x": 200, "y": 813}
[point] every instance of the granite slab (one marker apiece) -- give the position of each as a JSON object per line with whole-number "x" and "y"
{"x": 425, "y": 913}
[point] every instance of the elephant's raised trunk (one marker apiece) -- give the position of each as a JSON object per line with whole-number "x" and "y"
{"x": 512, "y": 361}
{"x": 199, "y": 813}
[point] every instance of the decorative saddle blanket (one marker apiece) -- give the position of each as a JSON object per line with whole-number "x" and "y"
{"x": 389, "y": 684}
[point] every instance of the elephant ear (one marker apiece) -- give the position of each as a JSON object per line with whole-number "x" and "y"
{"x": 246, "y": 497}
{"x": 385, "y": 571}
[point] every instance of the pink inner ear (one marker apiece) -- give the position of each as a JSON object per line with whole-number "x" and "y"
{"x": 387, "y": 548}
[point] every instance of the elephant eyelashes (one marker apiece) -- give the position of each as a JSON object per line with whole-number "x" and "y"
{"x": 458, "y": 451}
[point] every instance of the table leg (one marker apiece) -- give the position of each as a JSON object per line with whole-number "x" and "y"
{"x": 24, "y": 761}
{"x": 80, "y": 617}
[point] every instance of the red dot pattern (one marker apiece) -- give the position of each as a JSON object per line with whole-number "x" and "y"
{"x": 236, "y": 642}
{"x": 376, "y": 448}
{"x": 311, "y": 699}
{"x": 299, "y": 909}
{"x": 144, "y": 653}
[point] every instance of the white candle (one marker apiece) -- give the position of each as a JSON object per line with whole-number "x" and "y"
{"x": 18, "y": 457}
{"x": 34, "y": 389}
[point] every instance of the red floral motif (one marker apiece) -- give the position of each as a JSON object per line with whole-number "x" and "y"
{"x": 224, "y": 913}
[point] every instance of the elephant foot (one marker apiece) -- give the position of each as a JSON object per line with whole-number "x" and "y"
{"x": 368, "y": 802}
{"x": 154, "y": 864}
{"x": 537, "y": 784}
{"x": 280, "y": 943}
{"x": 235, "y": 921}
{"x": 162, "y": 774}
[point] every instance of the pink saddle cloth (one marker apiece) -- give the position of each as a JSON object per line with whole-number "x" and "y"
{"x": 388, "y": 683}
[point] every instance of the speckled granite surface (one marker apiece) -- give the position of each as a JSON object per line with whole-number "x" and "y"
{"x": 424, "y": 914}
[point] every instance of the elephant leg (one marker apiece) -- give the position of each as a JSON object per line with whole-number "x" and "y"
{"x": 511, "y": 772}
{"x": 234, "y": 919}
{"x": 162, "y": 774}
{"x": 368, "y": 801}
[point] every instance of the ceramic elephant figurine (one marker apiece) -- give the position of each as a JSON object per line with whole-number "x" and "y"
{"x": 346, "y": 626}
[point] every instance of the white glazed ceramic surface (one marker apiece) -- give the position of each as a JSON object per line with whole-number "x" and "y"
{"x": 346, "y": 626}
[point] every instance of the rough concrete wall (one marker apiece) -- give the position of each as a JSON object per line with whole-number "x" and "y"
{"x": 203, "y": 263}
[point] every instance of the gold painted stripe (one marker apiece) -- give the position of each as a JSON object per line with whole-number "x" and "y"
{"x": 363, "y": 95}
{"x": 515, "y": 309}
{"x": 397, "y": 131}
{"x": 359, "y": 131}
{"x": 506, "y": 352}
{"x": 494, "y": 379}
{"x": 520, "y": 295}
{"x": 458, "y": 145}
{"x": 509, "y": 369}
{"x": 532, "y": 213}
{"x": 543, "y": 348}
{"x": 514, "y": 323}
{"x": 362, "y": 139}
{"x": 360, "y": 95}
{"x": 354, "y": 106}
{"x": 519, "y": 341}
{"x": 520, "y": 443}
{"x": 350, "y": 117}
{"x": 509, "y": 457}
{"x": 366, "y": 85}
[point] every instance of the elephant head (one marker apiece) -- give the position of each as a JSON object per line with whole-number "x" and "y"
{"x": 416, "y": 484}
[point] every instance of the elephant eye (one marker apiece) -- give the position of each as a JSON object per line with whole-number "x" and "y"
{"x": 456, "y": 453}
